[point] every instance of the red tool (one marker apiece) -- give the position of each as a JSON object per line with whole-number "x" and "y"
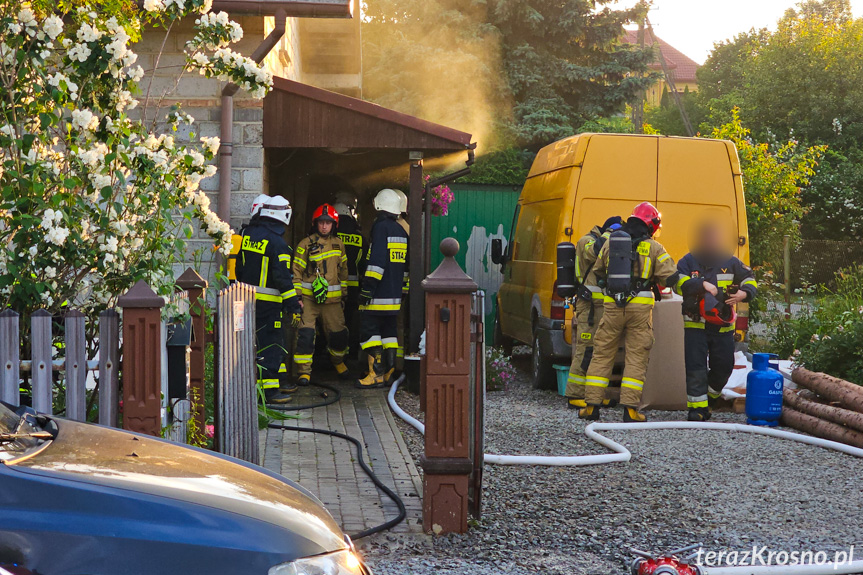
{"x": 667, "y": 564}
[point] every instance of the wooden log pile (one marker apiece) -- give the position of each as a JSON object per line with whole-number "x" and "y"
{"x": 825, "y": 406}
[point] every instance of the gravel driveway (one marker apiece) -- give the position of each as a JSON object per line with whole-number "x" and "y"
{"x": 727, "y": 491}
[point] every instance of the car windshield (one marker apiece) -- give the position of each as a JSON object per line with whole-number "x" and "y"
{"x": 12, "y": 423}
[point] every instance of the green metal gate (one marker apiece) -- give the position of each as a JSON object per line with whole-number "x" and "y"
{"x": 478, "y": 214}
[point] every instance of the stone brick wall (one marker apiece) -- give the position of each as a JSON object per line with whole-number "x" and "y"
{"x": 201, "y": 97}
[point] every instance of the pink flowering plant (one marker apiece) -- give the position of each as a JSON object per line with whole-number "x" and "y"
{"x": 441, "y": 197}
{"x": 499, "y": 371}
{"x": 93, "y": 197}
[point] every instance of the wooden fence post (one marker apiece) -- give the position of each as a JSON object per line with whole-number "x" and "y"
{"x": 10, "y": 342}
{"x": 142, "y": 359}
{"x": 446, "y": 461}
{"x": 42, "y": 373}
{"x": 236, "y": 405}
{"x": 109, "y": 364}
{"x": 195, "y": 285}
{"x": 76, "y": 366}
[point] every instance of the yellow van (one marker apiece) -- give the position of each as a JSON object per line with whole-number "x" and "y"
{"x": 578, "y": 182}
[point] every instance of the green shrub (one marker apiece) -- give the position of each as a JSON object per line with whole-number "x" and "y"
{"x": 827, "y": 335}
{"x": 838, "y": 353}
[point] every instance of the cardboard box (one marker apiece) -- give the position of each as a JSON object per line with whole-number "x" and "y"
{"x": 665, "y": 386}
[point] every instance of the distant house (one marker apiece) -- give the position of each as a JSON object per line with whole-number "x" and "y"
{"x": 681, "y": 67}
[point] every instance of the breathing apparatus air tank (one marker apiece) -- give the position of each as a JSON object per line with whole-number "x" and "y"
{"x": 619, "y": 282}
{"x": 566, "y": 282}
{"x": 764, "y": 391}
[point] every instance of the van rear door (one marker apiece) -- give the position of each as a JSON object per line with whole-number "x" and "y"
{"x": 695, "y": 175}
{"x": 618, "y": 172}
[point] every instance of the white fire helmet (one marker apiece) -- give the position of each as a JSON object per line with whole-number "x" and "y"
{"x": 274, "y": 207}
{"x": 346, "y": 204}
{"x": 403, "y": 198}
{"x": 347, "y": 199}
{"x": 388, "y": 201}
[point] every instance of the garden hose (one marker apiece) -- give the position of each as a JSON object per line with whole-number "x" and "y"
{"x": 621, "y": 453}
{"x": 362, "y": 462}
{"x": 337, "y": 395}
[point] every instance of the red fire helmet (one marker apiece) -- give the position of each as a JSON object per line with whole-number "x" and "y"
{"x": 724, "y": 318}
{"x": 327, "y": 213}
{"x": 647, "y": 213}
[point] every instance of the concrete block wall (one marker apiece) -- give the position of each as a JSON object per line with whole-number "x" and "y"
{"x": 201, "y": 97}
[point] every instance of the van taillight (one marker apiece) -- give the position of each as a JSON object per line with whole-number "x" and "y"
{"x": 558, "y": 309}
{"x": 742, "y": 323}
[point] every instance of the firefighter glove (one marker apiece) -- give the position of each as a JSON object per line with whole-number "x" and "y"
{"x": 320, "y": 287}
{"x": 296, "y": 319}
{"x": 365, "y": 298}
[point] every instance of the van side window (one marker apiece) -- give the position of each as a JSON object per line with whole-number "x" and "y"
{"x": 510, "y": 247}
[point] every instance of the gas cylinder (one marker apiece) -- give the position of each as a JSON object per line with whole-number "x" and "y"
{"x": 764, "y": 391}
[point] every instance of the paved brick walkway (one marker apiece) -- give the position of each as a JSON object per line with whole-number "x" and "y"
{"x": 326, "y": 465}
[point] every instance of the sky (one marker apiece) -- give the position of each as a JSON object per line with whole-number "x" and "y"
{"x": 692, "y": 26}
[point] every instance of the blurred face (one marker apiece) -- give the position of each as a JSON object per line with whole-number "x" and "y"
{"x": 712, "y": 236}
{"x": 324, "y": 227}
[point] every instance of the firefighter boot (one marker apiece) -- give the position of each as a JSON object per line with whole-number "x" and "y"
{"x": 375, "y": 377}
{"x": 589, "y": 413}
{"x": 342, "y": 371}
{"x": 304, "y": 379}
{"x": 632, "y": 415}
{"x": 389, "y": 365}
{"x": 275, "y": 396}
{"x": 575, "y": 403}
{"x": 287, "y": 386}
{"x": 698, "y": 414}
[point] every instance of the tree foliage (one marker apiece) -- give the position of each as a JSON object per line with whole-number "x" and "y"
{"x": 566, "y": 65}
{"x": 772, "y": 178}
{"x": 666, "y": 118}
{"x": 802, "y": 82}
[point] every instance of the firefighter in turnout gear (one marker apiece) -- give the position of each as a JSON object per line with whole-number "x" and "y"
{"x": 628, "y": 267}
{"x": 588, "y": 308}
{"x": 264, "y": 260}
{"x": 381, "y": 291}
{"x": 708, "y": 340}
{"x": 351, "y": 234}
{"x": 321, "y": 276}
{"x": 406, "y": 286}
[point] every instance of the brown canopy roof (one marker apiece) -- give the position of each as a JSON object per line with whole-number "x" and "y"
{"x": 296, "y": 8}
{"x": 297, "y": 115}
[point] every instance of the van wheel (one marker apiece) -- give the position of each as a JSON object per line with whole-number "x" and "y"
{"x": 543, "y": 370}
{"x": 498, "y": 339}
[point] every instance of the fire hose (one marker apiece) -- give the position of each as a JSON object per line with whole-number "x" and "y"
{"x": 669, "y": 564}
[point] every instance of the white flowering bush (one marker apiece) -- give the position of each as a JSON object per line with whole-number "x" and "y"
{"x": 91, "y": 199}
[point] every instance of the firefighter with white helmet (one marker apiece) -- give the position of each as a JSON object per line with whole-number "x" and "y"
{"x": 381, "y": 290}
{"x": 351, "y": 234}
{"x": 264, "y": 260}
{"x": 321, "y": 275}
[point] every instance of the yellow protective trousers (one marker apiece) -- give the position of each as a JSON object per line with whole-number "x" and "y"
{"x": 583, "y": 333}
{"x": 631, "y": 326}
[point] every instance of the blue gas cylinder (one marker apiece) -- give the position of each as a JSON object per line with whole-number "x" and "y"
{"x": 764, "y": 391}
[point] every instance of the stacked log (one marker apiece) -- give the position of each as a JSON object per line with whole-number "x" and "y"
{"x": 826, "y": 407}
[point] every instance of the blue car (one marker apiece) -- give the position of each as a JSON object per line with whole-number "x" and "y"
{"x": 81, "y": 499}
